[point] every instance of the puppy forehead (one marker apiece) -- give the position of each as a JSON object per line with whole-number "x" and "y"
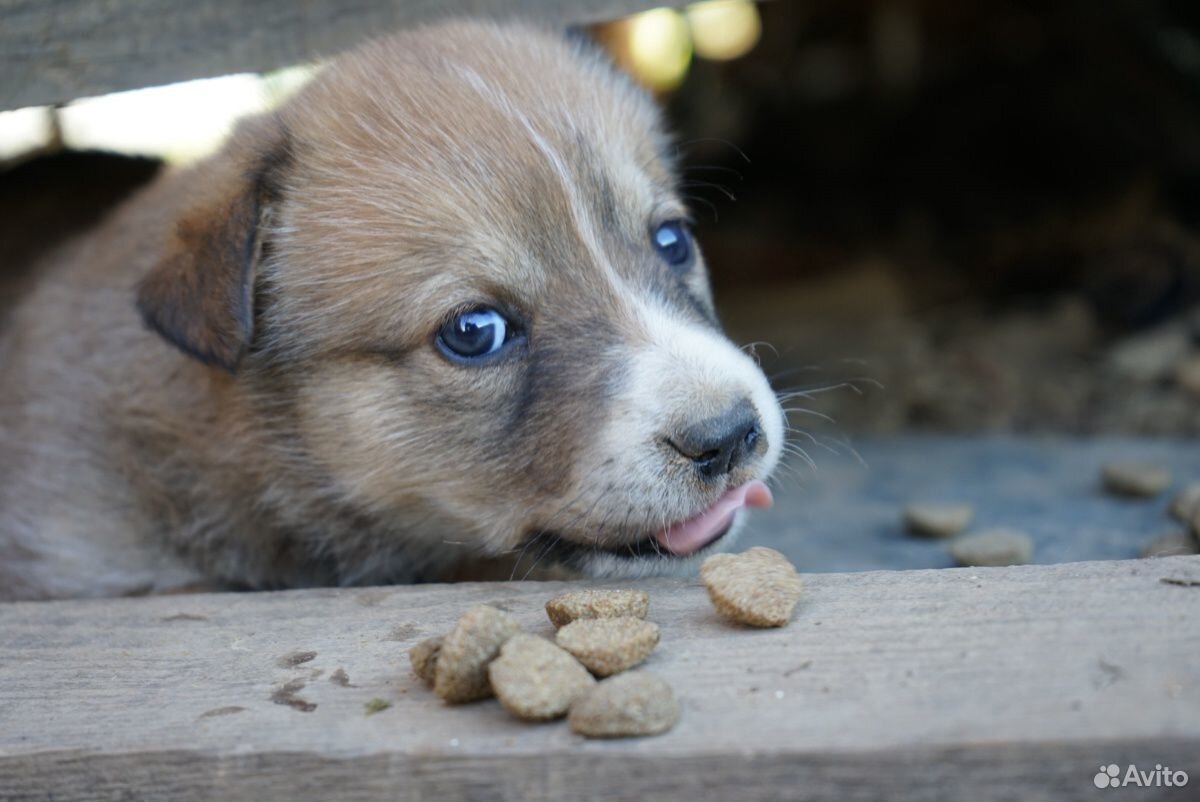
{"x": 419, "y": 152}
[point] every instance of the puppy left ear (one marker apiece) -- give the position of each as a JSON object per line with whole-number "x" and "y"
{"x": 200, "y": 294}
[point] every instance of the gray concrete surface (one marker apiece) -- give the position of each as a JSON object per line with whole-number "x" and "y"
{"x": 845, "y": 515}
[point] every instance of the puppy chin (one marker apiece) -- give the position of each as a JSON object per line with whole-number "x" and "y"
{"x": 603, "y": 565}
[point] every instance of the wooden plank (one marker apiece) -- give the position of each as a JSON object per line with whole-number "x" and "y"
{"x": 53, "y": 51}
{"x": 979, "y": 684}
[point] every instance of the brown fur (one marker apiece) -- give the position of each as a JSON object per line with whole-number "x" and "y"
{"x": 200, "y": 294}
{"x": 288, "y": 421}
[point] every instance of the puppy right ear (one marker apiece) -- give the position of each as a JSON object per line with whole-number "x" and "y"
{"x": 200, "y": 294}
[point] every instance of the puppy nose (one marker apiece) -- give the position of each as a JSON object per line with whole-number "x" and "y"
{"x": 718, "y": 445}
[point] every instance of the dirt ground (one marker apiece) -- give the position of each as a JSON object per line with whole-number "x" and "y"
{"x": 866, "y": 357}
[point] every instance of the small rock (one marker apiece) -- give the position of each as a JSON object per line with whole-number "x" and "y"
{"x": 609, "y": 645}
{"x": 1171, "y": 544}
{"x": 992, "y": 547}
{"x": 1150, "y": 357}
{"x": 1187, "y": 373}
{"x": 938, "y": 520}
{"x": 1138, "y": 479}
{"x": 578, "y": 604}
{"x": 634, "y": 703}
{"x": 460, "y": 674}
{"x": 424, "y": 657}
{"x": 758, "y": 587}
{"x": 1186, "y": 504}
{"x": 536, "y": 680}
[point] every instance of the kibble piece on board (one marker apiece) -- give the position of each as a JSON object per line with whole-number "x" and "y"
{"x": 424, "y": 657}
{"x": 609, "y": 645}
{"x": 992, "y": 547}
{"x": 938, "y": 520}
{"x": 568, "y": 607}
{"x": 1138, "y": 479}
{"x": 633, "y": 703}
{"x": 758, "y": 587}
{"x": 461, "y": 672}
{"x": 536, "y": 680}
{"x": 1172, "y": 544}
{"x": 1186, "y": 504}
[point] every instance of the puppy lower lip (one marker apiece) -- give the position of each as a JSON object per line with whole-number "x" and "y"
{"x": 717, "y": 520}
{"x": 693, "y": 534}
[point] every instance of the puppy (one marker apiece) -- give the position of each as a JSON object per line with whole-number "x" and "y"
{"x": 442, "y": 305}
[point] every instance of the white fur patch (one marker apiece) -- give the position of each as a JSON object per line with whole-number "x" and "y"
{"x": 681, "y": 372}
{"x": 692, "y": 370}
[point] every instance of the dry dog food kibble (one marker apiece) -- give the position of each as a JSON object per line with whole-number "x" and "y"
{"x": 461, "y": 671}
{"x": 1171, "y": 544}
{"x": 1186, "y": 504}
{"x": 536, "y": 680}
{"x": 938, "y": 520}
{"x": 758, "y": 587}
{"x": 424, "y": 657}
{"x": 1135, "y": 479}
{"x": 993, "y": 547}
{"x": 609, "y": 645}
{"x": 634, "y": 703}
{"x": 597, "y": 604}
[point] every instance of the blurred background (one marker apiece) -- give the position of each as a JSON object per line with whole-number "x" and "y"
{"x": 930, "y": 218}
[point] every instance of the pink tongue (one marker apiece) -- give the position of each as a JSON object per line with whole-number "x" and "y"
{"x": 698, "y": 531}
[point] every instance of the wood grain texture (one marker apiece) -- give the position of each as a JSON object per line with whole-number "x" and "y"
{"x": 52, "y": 51}
{"x": 1009, "y": 683}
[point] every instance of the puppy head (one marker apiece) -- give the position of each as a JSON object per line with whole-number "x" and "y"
{"x": 463, "y": 250}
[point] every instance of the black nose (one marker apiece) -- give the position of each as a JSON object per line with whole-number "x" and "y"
{"x": 718, "y": 445}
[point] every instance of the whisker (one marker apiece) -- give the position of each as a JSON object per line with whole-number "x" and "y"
{"x": 753, "y": 348}
{"x": 711, "y": 206}
{"x": 846, "y": 444}
{"x": 713, "y": 168}
{"x": 816, "y": 441}
{"x": 708, "y": 140}
{"x": 794, "y": 370}
{"x": 807, "y": 411}
{"x": 708, "y": 185}
{"x": 796, "y": 451}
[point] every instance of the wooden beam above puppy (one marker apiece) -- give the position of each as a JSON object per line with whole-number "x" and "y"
{"x": 54, "y": 51}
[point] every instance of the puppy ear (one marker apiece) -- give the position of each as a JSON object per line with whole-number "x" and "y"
{"x": 200, "y": 294}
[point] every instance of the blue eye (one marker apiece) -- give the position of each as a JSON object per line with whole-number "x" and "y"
{"x": 673, "y": 243}
{"x": 475, "y": 333}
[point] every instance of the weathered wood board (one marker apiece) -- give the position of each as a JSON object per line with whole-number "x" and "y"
{"x": 982, "y": 684}
{"x": 53, "y": 51}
